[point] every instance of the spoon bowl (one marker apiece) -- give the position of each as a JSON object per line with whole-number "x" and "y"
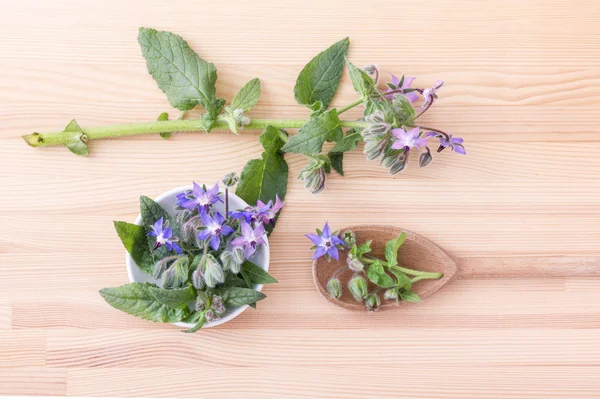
{"x": 416, "y": 253}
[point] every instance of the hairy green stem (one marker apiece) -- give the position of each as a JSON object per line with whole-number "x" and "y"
{"x": 350, "y": 106}
{"x": 134, "y": 129}
{"x": 417, "y": 273}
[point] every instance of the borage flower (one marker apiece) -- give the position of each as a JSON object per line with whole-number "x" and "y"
{"x": 408, "y": 139}
{"x": 199, "y": 198}
{"x": 406, "y": 82}
{"x": 430, "y": 94}
{"x": 270, "y": 211}
{"x": 164, "y": 236}
{"x": 215, "y": 228}
{"x": 326, "y": 243}
{"x": 250, "y": 238}
{"x": 455, "y": 144}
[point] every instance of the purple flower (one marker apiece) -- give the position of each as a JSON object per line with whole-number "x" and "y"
{"x": 164, "y": 236}
{"x": 407, "y": 139}
{"x": 412, "y": 96}
{"x": 326, "y": 243}
{"x": 250, "y": 238}
{"x": 215, "y": 228}
{"x": 455, "y": 143}
{"x": 271, "y": 211}
{"x": 252, "y": 213}
{"x": 200, "y": 198}
{"x": 430, "y": 94}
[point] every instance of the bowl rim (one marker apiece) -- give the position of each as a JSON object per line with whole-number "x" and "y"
{"x": 130, "y": 263}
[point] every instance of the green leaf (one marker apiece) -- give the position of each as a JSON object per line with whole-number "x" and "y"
{"x": 135, "y": 242}
{"x": 176, "y": 298}
{"x": 310, "y": 137}
{"x": 164, "y": 117}
{"x": 248, "y": 96}
{"x": 151, "y": 212}
{"x": 349, "y": 142}
{"x": 402, "y": 280}
{"x": 391, "y": 249}
{"x": 261, "y": 179}
{"x": 138, "y": 299}
{"x": 362, "y": 83}
{"x": 256, "y": 274}
{"x": 236, "y": 296}
{"x": 200, "y": 319}
{"x": 320, "y": 78}
{"x": 337, "y": 161}
{"x": 76, "y": 144}
{"x": 410, "y": 296}
{"x": 379, "y": 277}
{"x": 363, "y": 248}
{"x": 180, "y": 73}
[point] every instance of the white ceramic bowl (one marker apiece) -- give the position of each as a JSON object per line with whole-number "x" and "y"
{"x": 168, "y": 200}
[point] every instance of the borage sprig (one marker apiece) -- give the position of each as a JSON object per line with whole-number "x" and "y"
{"x": 371, "y": 276}
{"x": 389, "y": 125}
{"x": 200, "y": 255}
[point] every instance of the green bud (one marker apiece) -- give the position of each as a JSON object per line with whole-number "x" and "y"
{"x": 372, "y": 302}
{"x": 212, "y": 271}
{"x": 349, "y": 238}
{"x": 230, "y": 179}
{"x": 334, "y": 288}
{"x": 197, "y": 279}
{"x": 239, "y": 255}
{"x": 354, "y": 263}
{"x": 391, "y": 294}
{"x": 358, "y": 288}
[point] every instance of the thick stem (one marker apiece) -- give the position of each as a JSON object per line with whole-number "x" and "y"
{"x": 412, "y": 272}
{"x": 134, "y": 129}
{"x": 227, "y": 202}
{"x": 350, "y": 106}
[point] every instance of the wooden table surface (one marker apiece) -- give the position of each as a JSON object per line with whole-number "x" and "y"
{"x": 521, "y": 320}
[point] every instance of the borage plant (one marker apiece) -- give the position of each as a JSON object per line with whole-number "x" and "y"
{"x": 388, "y": 127}
{"x": 200, "y": 258}
{"x": 372, "y": 278}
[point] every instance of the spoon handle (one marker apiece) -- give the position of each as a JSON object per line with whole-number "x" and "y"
{"x": 534, "y": 266}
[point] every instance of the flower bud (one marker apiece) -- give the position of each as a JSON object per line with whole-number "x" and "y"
{"x": 227, "y": 261}
{"x": 201, "y": 303}
{"x": 210, "y": 315}
{"x": 197, "y": 279}
{"x": 375, "y": 148}
{"x": 167, "y": 278}
{"x": 212, "y": 271}
{"x": 371, "y": 69}
{"x": 372, "y": 302}
{"x": 217, "y": 305}
{"x": 396, "y": 161}
{"x": 239, "y": 255}
{"x": 354, "y": 263}
{"x": 425, "y": 158}
{"x": 334, "y": 288}
{"x": 230, "y": 179}
{"x": 358, "y": 288}
{"x": 377, "y": 127}
{"x": 240, "y": 118}
{"x": 391, "y": 294}
{"x": 349, "y": 238}
{"x": 314, "y": 175}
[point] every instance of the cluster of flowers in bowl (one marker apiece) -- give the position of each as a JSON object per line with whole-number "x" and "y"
{"x": 193, "y": 261}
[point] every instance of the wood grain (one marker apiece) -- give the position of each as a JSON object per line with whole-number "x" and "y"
{"x": 519, "y": 213}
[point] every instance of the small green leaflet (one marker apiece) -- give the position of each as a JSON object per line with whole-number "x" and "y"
{"x": 310, "y": 137}
{"x": 261, "y": 179}
{"x": 180, "y": 73}
{"x": 77, "y": 143}
{"x": 175, "y": 298}
{"x": 248, "y": 96}
{"x": 138, "y": 299}
{"x": 379, "y": 277}
{"x": 320, "y": 78}
{"x": 161, "y": 118}
{"x": 135, "y": 242}
{"x": 337, "y": 161}
{"x": 391, "y": 249}
{"x": 236, "y": 296}
{"x": 348, "y": 143}
{"x": 402, "y": 280}
{"x": 256, "y": 274}
{"x": 362, "y": 83}
{"x": 410, "y": 296}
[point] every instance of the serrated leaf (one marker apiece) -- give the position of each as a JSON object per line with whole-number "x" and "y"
{"x": 248, "y": 96}
{"x": 337, "y": 161}
{"x": 236, "y": 296}
{"x": 310, "y": 137}
{"x": 175, "y": 298}
{"x": 256, "y": 274}
{"x": 379, "y": 277}
{"x": 151, "y": 212}
{"x": 180, "y": 73}
{"x": 410, "y": 296}
{"x": 348, "y": 143}
{"x": 161, "y": 118}
{"x": 262, "y": 179}
{"x": 135, "y": 242}
{"x": 138, "y": 299}
{"x": 361, "y": 81}
{"x": 319, "y": 79}
{"x": 391, "y": 249}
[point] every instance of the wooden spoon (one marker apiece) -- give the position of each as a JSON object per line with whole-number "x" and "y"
{"x": 416, "y": 253}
